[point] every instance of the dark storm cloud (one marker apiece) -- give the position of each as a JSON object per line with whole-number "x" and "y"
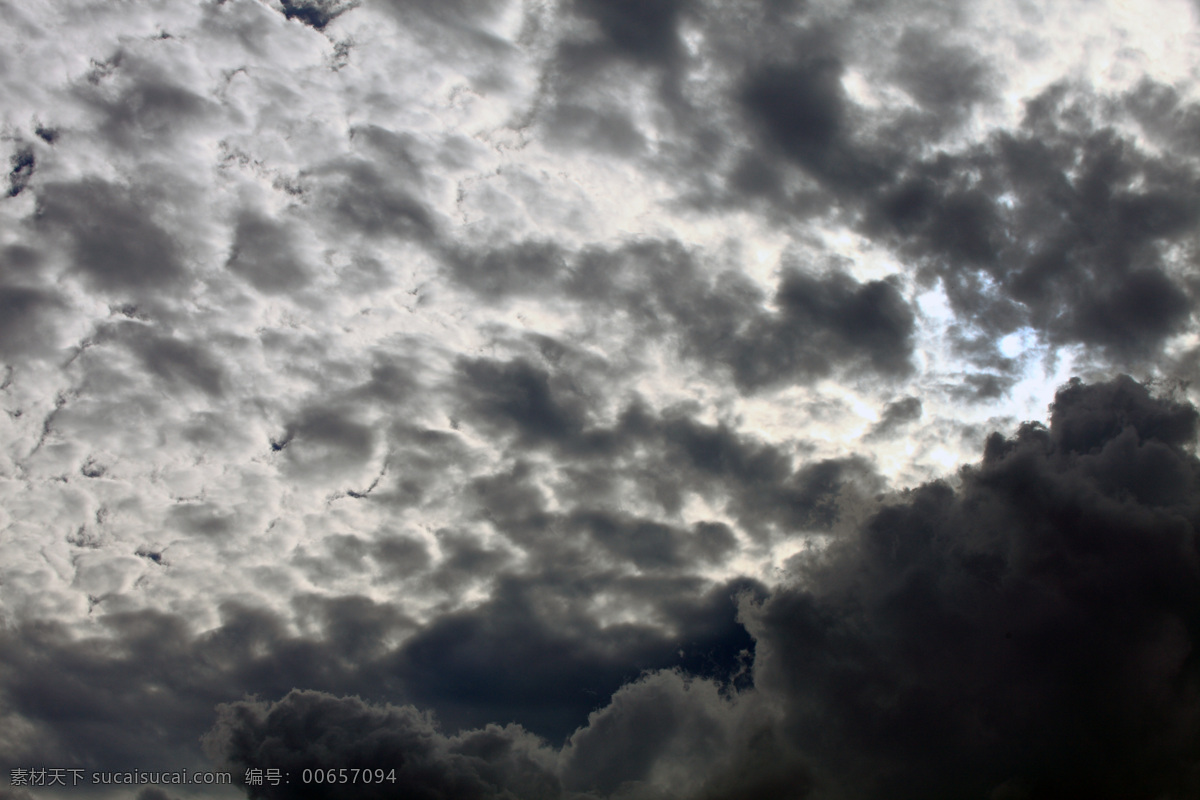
{"x": 762, "y": 485}
{"x": 465, "y": 560}
{"x": 1060, "y": 224}
{"x": 114, "y": 241}
{"x": 827, "y": 323}
{"x": 605, "y": 41}
{"x": 325, "y": 439}
{"x": 310, "y": 730}
{"x": 642, "y": 31}
{"x": 672, "y": 455}
{"x": 400, "y": 556}
{"x": 1030, "y": 634}
{"x": 712, "y": 749}
{"x": 591, "y": 129}
{"x": 47, "y": 134}
{"x": 155, "y": 794}
{"x": 650, "y": 545}
{"x": 983, "y": 386}
{"x": 15, "y": 793}
{"x": 140, "y": 695}
{"x": 534, "y": 653}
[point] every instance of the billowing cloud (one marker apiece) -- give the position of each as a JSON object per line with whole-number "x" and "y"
{"x": 570, "y": 399}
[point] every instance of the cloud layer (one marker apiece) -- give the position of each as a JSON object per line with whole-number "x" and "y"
{"x": 569, "y": 399}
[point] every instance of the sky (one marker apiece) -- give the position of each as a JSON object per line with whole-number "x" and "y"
{"x": 600, "y": 399}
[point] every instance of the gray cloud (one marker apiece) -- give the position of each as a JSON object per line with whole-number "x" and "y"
{"x": 896, "y": 415}
{"x": 114, "y": 241}
{"x": 826, "y": 323}
{"x": 264, "y": 255}
{"x": 551, "y": 397}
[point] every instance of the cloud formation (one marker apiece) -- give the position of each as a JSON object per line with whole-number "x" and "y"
{"x": 570, "y": 399}
{"x": 979, "y": 641}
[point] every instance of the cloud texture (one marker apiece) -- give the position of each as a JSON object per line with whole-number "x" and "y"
{"x": 571, "y": 399}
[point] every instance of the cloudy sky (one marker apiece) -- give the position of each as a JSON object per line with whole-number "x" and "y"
{"x": 602, "y": 399}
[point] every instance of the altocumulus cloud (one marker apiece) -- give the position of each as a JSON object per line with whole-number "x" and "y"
{"x": 1029, "y": 633}
{"x": 570, "y": 399}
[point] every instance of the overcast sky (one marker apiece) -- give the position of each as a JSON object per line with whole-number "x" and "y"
{"x": 602, "y": 399}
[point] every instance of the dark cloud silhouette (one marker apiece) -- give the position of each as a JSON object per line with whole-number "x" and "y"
{"x": 514, "y": 659}
{"x": 534, "y": 653}
{"x": 662, "y": 736}
{"x": 310, "y": 730}
{"x": 1027, "y": 635}
{"x": 47, "y": 134}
